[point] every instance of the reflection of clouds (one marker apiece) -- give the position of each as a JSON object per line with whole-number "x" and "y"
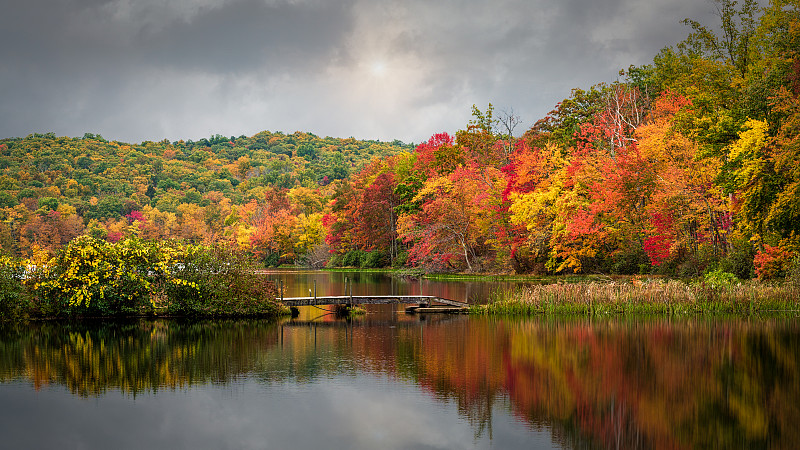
{"x": 348, "y": 412}
{"x": 366, "y": 412}
{"x": 378, "y": 413}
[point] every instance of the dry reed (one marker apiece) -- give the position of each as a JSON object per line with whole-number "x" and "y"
{"x": 645, "y": 297}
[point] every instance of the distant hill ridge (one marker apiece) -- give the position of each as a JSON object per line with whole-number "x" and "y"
{"x": 96, "y": 182}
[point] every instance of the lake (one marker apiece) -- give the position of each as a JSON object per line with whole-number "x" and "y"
{"x": 301, "y": 283}
{"x": 394, "y": 381}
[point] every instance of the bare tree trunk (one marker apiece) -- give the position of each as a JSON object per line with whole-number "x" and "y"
{"x": 466, "y": 255}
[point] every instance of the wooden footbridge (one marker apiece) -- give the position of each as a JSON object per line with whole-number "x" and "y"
{"x": 417, "y": 303}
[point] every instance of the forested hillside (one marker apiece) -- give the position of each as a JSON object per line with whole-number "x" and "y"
{"x": 53, "y": 189}
{"x": 681, "y": 166}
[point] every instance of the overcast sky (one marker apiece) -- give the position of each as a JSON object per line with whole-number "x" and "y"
{"x": 135, "y": 70}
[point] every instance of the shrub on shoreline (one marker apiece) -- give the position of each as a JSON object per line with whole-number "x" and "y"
{"x": 91, "y": 278}
{"x": 14, "y": 299}
{"x": 220, "y": 281}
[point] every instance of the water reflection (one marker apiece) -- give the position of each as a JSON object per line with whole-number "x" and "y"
{"x": 584, "y": 383}
{"x": 300, "y": 283}
{"x": 93, "y": 358}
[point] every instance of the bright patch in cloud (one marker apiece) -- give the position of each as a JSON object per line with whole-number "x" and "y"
{"x": 378, "y": 68}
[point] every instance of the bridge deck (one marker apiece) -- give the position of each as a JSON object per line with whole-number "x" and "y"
{"x": 369, "y": 299}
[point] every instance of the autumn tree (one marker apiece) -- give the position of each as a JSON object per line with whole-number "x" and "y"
{"x": 732, "y": 44}
{"x": 51, "y": 229}
{"x": 444, "y": 234}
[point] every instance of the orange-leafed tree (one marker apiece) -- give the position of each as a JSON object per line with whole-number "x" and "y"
{"x": 52, "y": 229}
{"x": 687, "y": 209}
{"x": 450, "y": 229}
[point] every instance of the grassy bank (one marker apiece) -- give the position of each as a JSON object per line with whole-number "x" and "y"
{"x": 669, "y": 297}
{"x": 490, "y": 277}
{"x": 539, "y": 279}
{"x": 359, "y": 270}
{"x": 420, "y": 273}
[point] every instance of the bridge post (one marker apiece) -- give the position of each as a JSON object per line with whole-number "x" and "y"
{"x": 315, "y": 289}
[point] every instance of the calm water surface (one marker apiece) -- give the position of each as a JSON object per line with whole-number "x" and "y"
{"x": 389, "y": 380}
{"x": 300, "y": 283}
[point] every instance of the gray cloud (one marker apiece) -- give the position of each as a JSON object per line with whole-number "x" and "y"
{"x": 138, "y": 70}
{"x": 249, "y": 35}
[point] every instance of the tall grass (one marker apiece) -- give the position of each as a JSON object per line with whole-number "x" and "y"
{"x": 670, "y": 297}
{"x": 511, "y": 278}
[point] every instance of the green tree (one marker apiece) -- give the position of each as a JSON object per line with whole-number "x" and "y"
{"x": 732, "y": 44}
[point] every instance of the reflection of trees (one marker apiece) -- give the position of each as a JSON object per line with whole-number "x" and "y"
{"x": 458, "y": 362}
{"x": 659, "y": 384}
{"x": 652, "y": 384}
{"x": 133, "y": 357}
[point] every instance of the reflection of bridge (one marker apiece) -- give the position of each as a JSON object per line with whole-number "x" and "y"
{"x": 424, "y": 303}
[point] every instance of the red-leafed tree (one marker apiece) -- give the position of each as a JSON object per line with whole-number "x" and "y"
{"x": 438, "y": 156}
{"x": 453, "y": 227}
{"x": 377, "y": 224}
{"x": 363, "y": 215}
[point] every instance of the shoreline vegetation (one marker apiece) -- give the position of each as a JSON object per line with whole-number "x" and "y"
{"x": 662, "y": 297}
{"x": 717, "y": 292}
{"x": 92, "y": 278}
{"x": 436, "y": 276}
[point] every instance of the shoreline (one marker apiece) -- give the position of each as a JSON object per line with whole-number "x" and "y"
{"x": 662, "y": 297}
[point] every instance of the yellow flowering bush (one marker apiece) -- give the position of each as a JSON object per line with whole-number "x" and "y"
{"x": 92, "y": 276}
